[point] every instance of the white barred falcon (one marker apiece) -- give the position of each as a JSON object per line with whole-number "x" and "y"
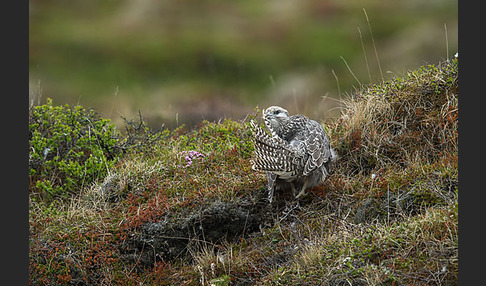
{"x": 297, "y": 153}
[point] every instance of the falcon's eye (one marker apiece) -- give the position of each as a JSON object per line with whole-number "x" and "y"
{"x": 276, "y": 112}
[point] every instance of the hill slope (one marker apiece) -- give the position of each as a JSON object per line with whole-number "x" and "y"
{"x": 184, "y": 206}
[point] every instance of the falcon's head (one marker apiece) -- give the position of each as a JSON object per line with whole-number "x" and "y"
{"x": 276, "y": 117}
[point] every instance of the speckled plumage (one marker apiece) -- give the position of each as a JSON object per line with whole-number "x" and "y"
{"x": 297, "y": 152}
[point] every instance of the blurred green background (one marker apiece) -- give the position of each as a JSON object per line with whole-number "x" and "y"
{"x": 180, "y": 62}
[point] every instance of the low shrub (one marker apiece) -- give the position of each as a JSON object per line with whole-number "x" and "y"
{"x": 69, "y": 148}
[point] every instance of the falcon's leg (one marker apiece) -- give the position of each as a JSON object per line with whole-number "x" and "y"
{"x": 292, "y": 186}
{"x": 271, "y": 178}
{"x": 302, "y": 191}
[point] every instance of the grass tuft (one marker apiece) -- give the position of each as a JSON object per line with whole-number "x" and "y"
{"x": 399, "y": 122}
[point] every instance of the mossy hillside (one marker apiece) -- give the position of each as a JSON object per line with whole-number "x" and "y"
{"x": 386, "y": 215}
{"x": 169, "y": 176}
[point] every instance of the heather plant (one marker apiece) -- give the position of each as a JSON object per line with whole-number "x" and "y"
{"x": 190, "y": 156}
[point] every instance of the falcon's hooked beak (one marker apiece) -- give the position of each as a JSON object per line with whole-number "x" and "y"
{"x": 273, "y": 112}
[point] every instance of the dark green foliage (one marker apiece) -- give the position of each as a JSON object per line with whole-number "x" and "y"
{"x": 69, "y": 148}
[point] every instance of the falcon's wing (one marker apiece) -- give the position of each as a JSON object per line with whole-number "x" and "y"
{"x": 317, "y": 146}
{"x": 274, "y": 154}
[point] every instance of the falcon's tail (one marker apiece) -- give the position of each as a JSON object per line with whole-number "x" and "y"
{"x": 334, "y": 158}
{"x": 272, "y": 153}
